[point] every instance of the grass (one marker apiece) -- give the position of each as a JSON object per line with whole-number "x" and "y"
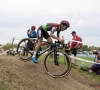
{"x": 3, "y": 86}
{"x": 5, "y": 83}
{"x": 91, "y": 76}
{"x": 79, "y": 62}
{"x": 88, "y": 58}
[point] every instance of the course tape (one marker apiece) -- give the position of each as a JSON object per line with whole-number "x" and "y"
{"x": 4, "y": 52}
{"x": 73, "y": 41}
{"x": 84, "y": 60}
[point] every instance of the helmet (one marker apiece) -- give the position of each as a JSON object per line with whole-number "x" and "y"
{"x": 33, "y": 27}
{"x": 66, "y": 23}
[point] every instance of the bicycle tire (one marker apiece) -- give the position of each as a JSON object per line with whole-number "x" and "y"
{"x": 57, "y": 75}
{"x": 18, "y": 47}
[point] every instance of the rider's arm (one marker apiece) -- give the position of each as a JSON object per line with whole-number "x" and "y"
{"x": 55, "y": 37}
{"x": 52, "y": 33}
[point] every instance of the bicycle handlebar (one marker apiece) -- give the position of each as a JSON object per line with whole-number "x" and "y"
{"x": 59, "y": 44}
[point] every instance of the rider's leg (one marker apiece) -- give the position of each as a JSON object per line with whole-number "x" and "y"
{"x": 35, "y": 51}
{"x": 41, "y": 33}
{"x": 49, "y": 40}
{"x": 37, "y": 46}
{"x": 40, "y": 43}
{"x": 45, "y": 43}
{"x": 40, "y": 38}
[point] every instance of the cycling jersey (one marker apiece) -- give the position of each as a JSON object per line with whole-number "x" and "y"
{"x": 43, "y": 30}
{"x": 52, "y": 27}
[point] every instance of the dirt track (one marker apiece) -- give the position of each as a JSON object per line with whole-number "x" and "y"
{"x": 21, "y": 75}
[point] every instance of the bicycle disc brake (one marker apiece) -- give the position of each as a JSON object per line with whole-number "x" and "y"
{"x": 56, "y": 62}
{"x": 26, "y": 49}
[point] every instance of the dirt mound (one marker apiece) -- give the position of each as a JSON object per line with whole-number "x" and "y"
{"x": 19, "y": 75}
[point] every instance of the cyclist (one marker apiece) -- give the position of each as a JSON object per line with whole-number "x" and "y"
{"x": 43, "y": 32}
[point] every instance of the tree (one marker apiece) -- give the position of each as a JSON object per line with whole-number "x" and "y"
{"x": 0, "y": 44}
{"x": 89, "y": 48}
{"x": 9, "y": 45}
{"x": 85, "y": 48}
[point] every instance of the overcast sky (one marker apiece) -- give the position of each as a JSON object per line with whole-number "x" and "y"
{"x": 17, "y": 16}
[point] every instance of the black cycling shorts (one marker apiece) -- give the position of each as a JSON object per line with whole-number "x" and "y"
{"x": 42, "y": 33}
{"x": 74, "y": 51}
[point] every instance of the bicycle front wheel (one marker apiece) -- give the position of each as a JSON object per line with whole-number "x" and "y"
{"x": 57, "y": 70}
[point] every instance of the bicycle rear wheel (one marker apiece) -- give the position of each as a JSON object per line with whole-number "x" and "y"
{"x": 60, "y": 70}
{"x": 25, "y": 49}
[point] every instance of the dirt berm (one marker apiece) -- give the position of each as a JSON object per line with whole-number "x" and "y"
{"x": 19, "y": 75}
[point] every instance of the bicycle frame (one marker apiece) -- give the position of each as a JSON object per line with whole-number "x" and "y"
{"x": 53, "y": 45}
{"x": 39, "y": 54}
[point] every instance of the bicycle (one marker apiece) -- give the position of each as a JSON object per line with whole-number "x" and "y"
{"x": 59, "y": 65}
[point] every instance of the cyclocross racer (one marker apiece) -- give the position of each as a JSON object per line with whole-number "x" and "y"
{"x": 43, "y": 32}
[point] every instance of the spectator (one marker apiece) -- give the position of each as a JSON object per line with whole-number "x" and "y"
{"x": 96, "y": 67}
{"x": 74, "y": 46}
{"x": 32, "y": 33}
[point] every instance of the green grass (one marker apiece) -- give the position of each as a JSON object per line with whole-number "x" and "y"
{"x": 88, "y": 58}
{"x": 91, "y": 76}
{"x": 41, "y": 57}
{"x": 3, "y": 86}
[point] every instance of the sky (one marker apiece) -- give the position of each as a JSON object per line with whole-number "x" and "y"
{"x": 17, "y": 16}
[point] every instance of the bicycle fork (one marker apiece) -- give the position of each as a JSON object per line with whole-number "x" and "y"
{"x": 56, "y": 57}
